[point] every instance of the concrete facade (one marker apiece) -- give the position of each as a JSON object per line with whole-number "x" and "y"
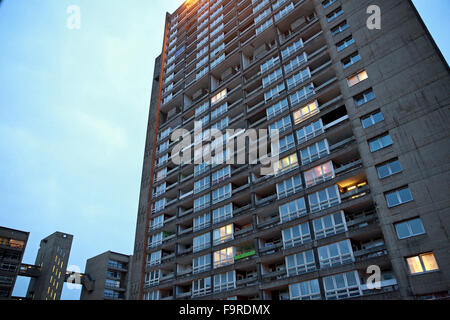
{"x": 52, "y": 260}
{"x": 109, "y": 272}
{"x": 406, "y": 79}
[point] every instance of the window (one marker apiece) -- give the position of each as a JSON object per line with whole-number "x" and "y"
{"x": 324, "y": 199}
{"x": 281, "y": 125}
{"x": 364, "y": 97}
{"x": 288, "y": 163}
{"x": 398, "y": 197}
{"x": 307, "y": 290}
{"x": 277, "y": 109}
{"x": 223, "y": 213}
{"x": 264, "y": 26}
{"x": 319, "y": 174}
{"x": 219, "y": 97}
{"x": 380, "y": 143}
{"x": 302, "y": 94}
{"x": 334, "y": 14}
{"x": 295, "y": 236}
{"x": 225, "y": 281}
{"x": 360, "y": 76}
{"x": 372, "y": 119}
{"x": 161, "y": 174}
{"x": 329, "y": 225}
{"x": 159, "y": 190}
{"x": 155, "y": 258}
{"x": 339, "y": 28}
{"x": 221, "y": 175}
{"x": 156, "y": 239}
{"x": 219, "y": 111}
{"x": 315, "y": 152}
{"x": 328, "y": 3}
{"x": 200, "y": 169}
{"x": 292, "y": 210}
{"x": 202, "y": 202}
{"x": 283, "y": 12}
{"x": 341, "y": 286}
{"x": 201, "y": 264}
{"x": 201, "y": 242}
{"x": 388, "y": 169}
{"x": 292, "y": 49}
{"x": 153, "y": 295}
{"x": 222, "y": 193}
{"x": 202, "y": 222}
{"x": 313, "y": 130}
{"x": 269, "y": 64}
{"x": 296, "y": 62}
{"x": 410, "y": 228}
{"x": 157, "y": 222}
{"x": 425, "y": 262}
{"x": 299, "y": 263}
{"x": 275, "y": 91}
{"x": 261, "y": 16}
{"x": 223, "y": 234}
{"x": 351, "y": 59}
{"x": 201, "y": 185}
{"x": 298, "y": 78}
{"x": 224, "y": 257}
{"x": 345, "y": 43}
{"x": 152, "y": 278}
{"x": 290, "y": 186}
{"x": 285, "y": 144}
{"x": 306, "y": 112}
{"x": 271, "y": 78}
{"x": 335, "y": 254}
{"x": 201, "y": 287}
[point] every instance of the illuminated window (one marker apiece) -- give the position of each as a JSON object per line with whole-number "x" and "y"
{"x": 361, "y": 76}
{"x": 224, "y": 257}
{"x": 223, "y": 234}
{"x": 288, "y": 163}
{"x": 422, "y": 263}
{"x": 219, "y": 97}
{"x": 319, "y": 174}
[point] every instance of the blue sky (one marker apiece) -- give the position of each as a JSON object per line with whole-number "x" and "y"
{"x": 73, "y": 116}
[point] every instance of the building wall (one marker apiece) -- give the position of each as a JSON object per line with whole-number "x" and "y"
{"x": 410, "y": 80}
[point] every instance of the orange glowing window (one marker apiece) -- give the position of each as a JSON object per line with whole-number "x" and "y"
{"x": 425, "y": 262}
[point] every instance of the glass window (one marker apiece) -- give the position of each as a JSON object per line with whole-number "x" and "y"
{"x": 221, "y": 175}
{"x": 339, "y": 28}
{"x": 372, "y": 119}
{"x": 289, "y": 187}
{"x": 202, "y": 184}
{"x": 298, "y": 78}
{"x": 302, "y": 94}
{"x": 335, "y": 254}
{"x": 219, "y": 97}
{"x": 410, "y": 228}
{"x": 292, "y": 210}
{"x": 201, "y": 242}
{"x": 222, "y": 193}
{"x": 201, "y": 264}
{"x": 313, "y": 130}
{"x": 350, "y": 60}
{"x": 300, "y": 263}
{"x": 319, "y": 174}
{"x": 360, "y": 76}
{"x": 225, "y": 281}
{"x": 308, "y": 290}
{"x": 324, "y": 199}
{"x": 341, "y": 286}
{"x": 224, "y": 257}
{"x": 288, "y": 163}
{"x": 202, "y": 222}
{"x": 330, "y": 225}
{"x": 277, "y": 109}
{"x": 223, "y": 213}
{"x": 345, "y": 43}
{"x": 364, "y": 97}
{"x": 315, "y": 152}
{"x": 422, "y": 263}
{"x": 398, "y": 197}
{"x": 389, "y": 169}
{"x": 306, "y": 112}
{"x": 296, "y": 236}
{"x": 223, "y": 234}
{"x": 380, "y": 143}
{"x": 201, "y": 287}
